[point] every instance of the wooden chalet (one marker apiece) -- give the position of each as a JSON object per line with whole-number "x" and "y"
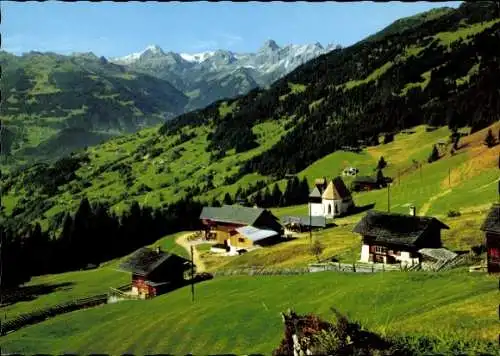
{"x": 396, "y": 238}
{"x": 364, "y": 183}
{"x": 154, "y": 271}
{"x": 491, "y": 228}
{"x": 240, "y": 227}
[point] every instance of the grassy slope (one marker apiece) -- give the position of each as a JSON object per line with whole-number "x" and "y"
{"x": 458, "y": 305}
{"x": 81, "y": 284}
{"x": 170, "y": 174}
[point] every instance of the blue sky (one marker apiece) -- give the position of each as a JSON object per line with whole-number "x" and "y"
{"x": 116, "y": 29}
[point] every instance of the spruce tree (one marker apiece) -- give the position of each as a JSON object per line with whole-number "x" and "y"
{"x": 489, "y": 141}
{"x": 267, "y": 198}
{"x": 227, "y": 199}
{"x": 287, "y": 195}
{"x": 276, "y": 195}
{"x": 304, "y": 191}
{"x": 381, "y": 163}
{"x": 434, "y": 155}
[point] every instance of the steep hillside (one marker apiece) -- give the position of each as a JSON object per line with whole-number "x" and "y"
{"x": 53, "y": 104}
{"x": 442, "y": 72}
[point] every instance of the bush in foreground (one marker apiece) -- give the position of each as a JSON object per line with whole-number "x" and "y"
{"x": 309, "y": 335}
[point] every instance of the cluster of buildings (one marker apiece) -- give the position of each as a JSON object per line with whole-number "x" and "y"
{"x": 387, "y": 238}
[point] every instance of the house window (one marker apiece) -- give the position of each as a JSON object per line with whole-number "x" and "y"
{"x": 241, "y": 239}
{"x": 380, "y": 249}
{"x": 329, "y": 208}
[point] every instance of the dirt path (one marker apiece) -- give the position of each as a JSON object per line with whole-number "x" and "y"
{"x": 182, "y": 241}
{"x": 427, "y": 205}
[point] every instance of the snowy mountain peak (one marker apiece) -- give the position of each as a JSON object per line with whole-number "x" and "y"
{"x": 269, "y": 45}
{"x": 197, "y": 57}
{"x": 155, "y": 49}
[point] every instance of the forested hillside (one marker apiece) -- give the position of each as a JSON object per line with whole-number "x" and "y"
{"x": 54, "y": 104}
{"x": 443, "y": 72}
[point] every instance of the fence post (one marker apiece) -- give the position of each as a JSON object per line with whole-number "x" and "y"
{"x": 373, "y": 268}
{"x": 354, "y": 267}
{"x": 383, "y": 267}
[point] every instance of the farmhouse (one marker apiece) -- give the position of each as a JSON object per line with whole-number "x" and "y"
{"x": 396, "y": 238}
{"x": 302, "y": 223}
{"x": 240, "y": 227}
{"x": 154, "y": 271}
{"x": 330, "y": 200}
{"x": 491, "y": 228}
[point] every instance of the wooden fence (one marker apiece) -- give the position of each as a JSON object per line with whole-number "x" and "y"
{"x": 40, "y": 315}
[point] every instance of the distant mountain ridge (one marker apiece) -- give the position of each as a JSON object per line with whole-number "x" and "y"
{"x": 209, "y": 76}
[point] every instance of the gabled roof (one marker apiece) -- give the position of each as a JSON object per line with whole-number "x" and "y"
{"x": 315, "y": 193}
{"x": 255, "y": 234}
{"x": 492, "y": 221}
{"x": 365, "y": 179}
{"x": 336, "y": 190}
{"x": 145, "y": 260}
{"x": 438, "y": 253}
{"x": 316, "y": 221}
{"x": 232, "y": 214}
{"x": 396, "y": 228}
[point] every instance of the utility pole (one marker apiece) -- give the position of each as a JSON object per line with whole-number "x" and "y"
{"x": 192, "y": 274}
{"x": 420, "y": 171}
{"x": 310, "y": 223}
{"x": 389, "y": 197}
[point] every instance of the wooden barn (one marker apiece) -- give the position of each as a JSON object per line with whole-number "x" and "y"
{"x": 240, "y": 227}
{"x": 491, "y": 228}
{"x": 365, "y": 183}
{"x": 396, "y": 238}
{"x": 154, "y": 271}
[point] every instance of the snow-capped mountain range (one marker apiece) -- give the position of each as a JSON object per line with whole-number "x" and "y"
{"x": 212, "y": 75}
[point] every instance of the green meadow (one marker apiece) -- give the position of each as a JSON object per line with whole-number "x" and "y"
{"x": 241, "y": 315}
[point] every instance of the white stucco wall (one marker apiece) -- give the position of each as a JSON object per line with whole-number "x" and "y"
{"x": 365, "y": 253}
{"x": 405, "y": 259}
{"x": 316, "y": 209}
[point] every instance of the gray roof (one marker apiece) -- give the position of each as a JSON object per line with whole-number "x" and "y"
{"x": 254, "y": 234}
{"x": 232, "y": 214}
{"x": 396, "y": 228}
{"x": 492, "y": 221}
{"x": 438, "y": 253}
{"x": 315, "y": 193}
{"x": 316, "y": 221}
{"x": 145, "y": 260}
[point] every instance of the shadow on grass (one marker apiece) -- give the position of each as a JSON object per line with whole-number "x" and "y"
{"x": 274, "y": 242}
{"x": 359, "y": 209}
{"x": 29, "y": 293}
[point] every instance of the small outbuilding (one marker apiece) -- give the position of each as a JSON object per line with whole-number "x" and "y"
{"x": 303, "y": 223}
{"x": 154, "y": 271}
{"x": 491, "y": 229}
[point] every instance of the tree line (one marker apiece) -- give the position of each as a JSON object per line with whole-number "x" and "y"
{"x": 296, "y": 192}
{"x": 92, "y": 235}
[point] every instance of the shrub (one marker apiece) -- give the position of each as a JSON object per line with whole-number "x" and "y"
{"x": 453, "y": 213}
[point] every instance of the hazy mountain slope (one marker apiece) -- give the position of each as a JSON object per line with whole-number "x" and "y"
{"x": 442, "y": 72}
{"x": 44, "y": 93}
